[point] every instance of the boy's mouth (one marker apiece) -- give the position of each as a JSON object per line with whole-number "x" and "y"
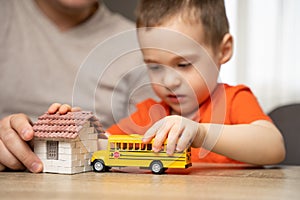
{"x": 175, "y": 98}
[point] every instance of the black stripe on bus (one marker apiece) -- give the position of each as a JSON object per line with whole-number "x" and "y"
{"x": 146, "y": 159}
{"x": 142, "y": 156}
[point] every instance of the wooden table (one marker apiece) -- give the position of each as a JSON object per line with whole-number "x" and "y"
{"x": 198, "y": 182}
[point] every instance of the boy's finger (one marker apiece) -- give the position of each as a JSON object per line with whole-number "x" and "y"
{"x": 54, "y": 108}
{"x": 173, "y": 137}
{"x": 161, "y": 135}
{"x": 22, "y": 125}
{"x": 185, "y": 140}
{"x": 151, "y": 132}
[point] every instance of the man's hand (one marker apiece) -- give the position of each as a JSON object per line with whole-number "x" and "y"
{"x": 15, "y": 153}
{"x": 179, "y": 131}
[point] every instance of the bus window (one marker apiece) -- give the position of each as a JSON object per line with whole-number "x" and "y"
{"x": 124, "y": 146}
{"x": 118, "y": 145}
{"x": 149, "y": 146}
{"x": 130, "y": 145}
{"x": 137, "y": 146}
{"x": 112, "y": 146}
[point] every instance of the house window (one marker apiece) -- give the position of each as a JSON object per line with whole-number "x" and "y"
{"x": 52, "y": 150}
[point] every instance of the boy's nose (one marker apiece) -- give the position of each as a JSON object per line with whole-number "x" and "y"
{"x": 171, "y": 79}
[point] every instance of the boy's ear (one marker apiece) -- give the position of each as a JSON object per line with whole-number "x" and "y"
{"x": 226, "y": 48}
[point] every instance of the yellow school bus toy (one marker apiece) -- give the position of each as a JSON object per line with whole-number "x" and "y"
{"x": 128, "y": 150}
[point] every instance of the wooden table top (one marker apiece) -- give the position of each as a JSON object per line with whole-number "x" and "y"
{"x": 201, "y": 181}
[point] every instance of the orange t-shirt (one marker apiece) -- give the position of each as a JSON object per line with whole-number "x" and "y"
{"x": 227, "y": 105}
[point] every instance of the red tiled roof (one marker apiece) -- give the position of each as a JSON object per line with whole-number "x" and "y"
{"x": 64, "y": 126}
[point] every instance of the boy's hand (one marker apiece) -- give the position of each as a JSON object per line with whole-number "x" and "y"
{"x": 62, "y": 109}
{"x": 15, "y": 153}
{"x": 179, "y": 131}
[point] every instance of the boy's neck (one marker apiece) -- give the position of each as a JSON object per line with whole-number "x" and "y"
{"x": 66, "y": 19}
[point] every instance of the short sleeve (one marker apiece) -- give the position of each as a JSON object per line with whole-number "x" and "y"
{"x": 147, "y": 113}
{"x": 245, "y": 108}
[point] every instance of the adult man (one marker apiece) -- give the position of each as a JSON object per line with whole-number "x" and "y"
{"x": 42, "y": 43}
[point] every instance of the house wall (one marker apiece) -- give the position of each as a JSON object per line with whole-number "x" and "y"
{"x": 73, "y": 155}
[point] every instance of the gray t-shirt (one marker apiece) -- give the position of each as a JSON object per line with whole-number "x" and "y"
{"x": 40, "y": 65}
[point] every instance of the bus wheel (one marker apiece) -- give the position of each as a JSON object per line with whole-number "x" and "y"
{"x": 157, "y": 167}
{"x": 98, "y": 166}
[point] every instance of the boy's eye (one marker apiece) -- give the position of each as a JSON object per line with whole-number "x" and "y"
{"x": 154, "y": 67}
{"x": 186, "y": 64}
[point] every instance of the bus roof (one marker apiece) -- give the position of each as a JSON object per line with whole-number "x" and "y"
{"x": 127, "y": 138}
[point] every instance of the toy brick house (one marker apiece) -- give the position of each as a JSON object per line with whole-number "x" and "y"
{"x": 65, "y": 143}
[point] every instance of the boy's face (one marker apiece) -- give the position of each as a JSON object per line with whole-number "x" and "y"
{"x": 183, "y": 70}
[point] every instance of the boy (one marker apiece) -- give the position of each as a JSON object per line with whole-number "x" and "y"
{"x": 184, "y": 43}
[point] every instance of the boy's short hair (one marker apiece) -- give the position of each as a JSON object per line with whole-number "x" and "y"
{"x": 210, "y": 13}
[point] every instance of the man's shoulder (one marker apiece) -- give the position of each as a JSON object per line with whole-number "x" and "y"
{"x": 114, "y": 20}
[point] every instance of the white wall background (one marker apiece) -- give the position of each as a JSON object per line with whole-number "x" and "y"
{"x": 266, "y": 56}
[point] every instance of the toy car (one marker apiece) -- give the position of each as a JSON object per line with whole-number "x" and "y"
{"x": 129, "y": 150}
